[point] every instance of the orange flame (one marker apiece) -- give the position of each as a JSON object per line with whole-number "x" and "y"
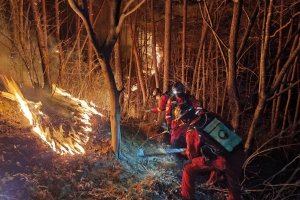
{"x": 72, "y": 144}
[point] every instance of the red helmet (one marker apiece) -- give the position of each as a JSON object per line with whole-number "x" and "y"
{"x": 178, "y": 87}
{"x": 156, "y": 92}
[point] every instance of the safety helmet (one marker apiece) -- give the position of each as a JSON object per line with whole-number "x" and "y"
{"x": 182, "y": 110}
{"x": 178, "y": 88}
{"x": 156, "y": 92}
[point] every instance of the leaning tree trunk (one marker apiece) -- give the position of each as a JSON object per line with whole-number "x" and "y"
{"x": 103, "y": 56}
{"x": 232, "y": 89}
{"x": 138, "y": 63}
{"x": 263, "y": 94}
{"x": 198, "y": 58}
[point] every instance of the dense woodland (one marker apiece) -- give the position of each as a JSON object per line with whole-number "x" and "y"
{"x": 239, "y": 58}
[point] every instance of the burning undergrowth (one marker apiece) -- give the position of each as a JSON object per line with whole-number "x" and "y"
{"x": 31, "y": 169}
{"x": 61, "y": 137}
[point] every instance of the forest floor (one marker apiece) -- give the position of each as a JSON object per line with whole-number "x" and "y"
{"x": 30, "y": 169}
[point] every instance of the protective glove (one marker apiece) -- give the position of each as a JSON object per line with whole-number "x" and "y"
{"x": 147, "y": 111}
{"x": 187, "y": 162}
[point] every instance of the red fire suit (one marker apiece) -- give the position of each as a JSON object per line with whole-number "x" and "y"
{"x": 231, "y": 166}
{"x": 162, "y": 104}
{"x": 178, "y": 128}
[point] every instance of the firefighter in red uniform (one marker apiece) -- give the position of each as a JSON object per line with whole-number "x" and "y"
{"x": 207, "y": 157}
{"x": 178, "y": 128}
{"x": 162, "y": 98}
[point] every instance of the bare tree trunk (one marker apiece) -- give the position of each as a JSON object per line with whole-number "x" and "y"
{"x": 129, "y": 80}
{"x": 232, "y": 90}
{"x": 296, "y": 122}
{"x": 167, "y": 43}
{"x": 79, "y": 28}
{"x": 126, "y": 106}
{"x": 44, "y": 22}
{"x": 154, "y": 61}
{"x": 118, "y": 66}
{"x": 204, "y": 78}
{"x": 218, "y": 83}
{"x": 207, "y": 19}
{"x": 138, "y": 66}
{"x": 290, "y": 79}
{"x": 198, "y": 59}
{"x": 276, "y": 101}
{"x": 119, "y": 71}
{"x": 25, "y": 47}
{"x": 200, "y": 79}
{"x": 183, "y": 53}
{"x": 287, "y": 103}
{"x": 247, "y": 32}
{"x": 103, "y": 56}
{"x": 262, "y": 96}
{"x": 90, "y": 52}
{"x": 144, "y": 38}
{"x": 196, "y": 71}
{"x": 59, "y": 44}
{"x": 42, "y": 44}
{"x": 14, "y": 9}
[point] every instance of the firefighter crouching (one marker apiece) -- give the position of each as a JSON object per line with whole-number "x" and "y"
{"x": 211, "y": 146}
{"x": 162, "y": 98}
{"x": 177, "y": 128}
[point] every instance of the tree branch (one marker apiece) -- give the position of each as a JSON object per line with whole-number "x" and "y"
{"x": 285, "y": 68}
{"x": 86, "y": 22}
{"x": 125, "y": 14}
{"x": 286, "y": 89}
{"x": 284, "y": 48}
{"x": 289, "y": 22}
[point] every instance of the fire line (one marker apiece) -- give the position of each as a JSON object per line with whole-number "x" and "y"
{"x": 59, "y": 139}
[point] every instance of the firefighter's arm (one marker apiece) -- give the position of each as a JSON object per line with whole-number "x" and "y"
{"x": 162, "y": 104}
{"x": 169, "y": 112}
{"x": 196, "y": 104}
{"x": 155, "y": 110}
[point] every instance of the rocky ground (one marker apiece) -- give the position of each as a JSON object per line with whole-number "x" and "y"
{"x": 30, "y": 169}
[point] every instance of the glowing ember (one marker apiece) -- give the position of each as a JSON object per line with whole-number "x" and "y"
{"x": 57, "y": 138}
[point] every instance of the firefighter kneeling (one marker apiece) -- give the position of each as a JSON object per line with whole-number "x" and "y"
{"x": 212, "y": 145}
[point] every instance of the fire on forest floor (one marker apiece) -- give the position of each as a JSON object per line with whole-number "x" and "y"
{"x": 30, "y": 169}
